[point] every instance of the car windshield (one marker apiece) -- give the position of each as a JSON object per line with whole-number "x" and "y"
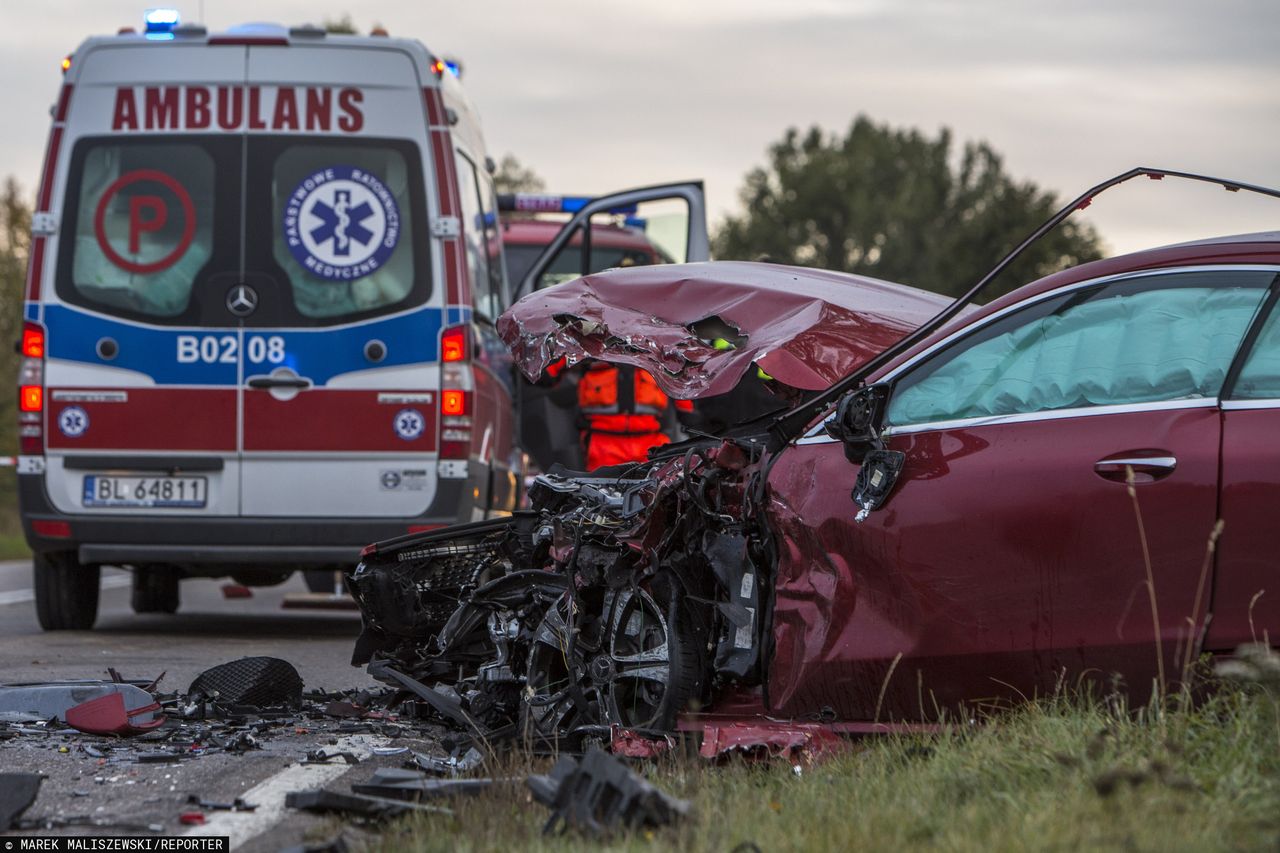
{"x": 567, "y": 264}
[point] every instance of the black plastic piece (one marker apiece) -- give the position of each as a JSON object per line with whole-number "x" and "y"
{"x": 258, "y": 682}
{"x": 600, "y": 794}
{"x": 17, "y": 792}
{"x": 876, "y": 479}
{"x": 413, "y": 785}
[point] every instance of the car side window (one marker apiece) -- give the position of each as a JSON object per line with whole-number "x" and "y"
{"x": 1259, "y": 377}
{"x": 1166, "y": 336}
{"x": 493, "y": 242}
{"x": 473, "y": 236}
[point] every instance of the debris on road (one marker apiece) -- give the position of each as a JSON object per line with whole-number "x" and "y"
{"x": 17, "y": 792}
{"x": 110, "y": 715}
{"x": 236, "y": 805}
{"x": 260, "y": 682}
{"x": 353, "y": 805}
{"x": 397, "y": 784}
{"x": 31, "y": 703}
{"x": 600, "y": 794}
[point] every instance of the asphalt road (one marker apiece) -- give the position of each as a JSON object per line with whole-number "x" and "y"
{"x": 207, "y": 630}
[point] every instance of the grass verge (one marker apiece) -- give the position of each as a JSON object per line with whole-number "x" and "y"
{"x": 1054, "y": 775}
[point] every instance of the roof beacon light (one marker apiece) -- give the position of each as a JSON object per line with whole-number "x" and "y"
{"x": 161, "y": 23}
{"x": 454, "y": 67}
{"x": 543, "y": 203}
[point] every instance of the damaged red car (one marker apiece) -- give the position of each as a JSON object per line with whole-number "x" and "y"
{"x": 952, "y": 505}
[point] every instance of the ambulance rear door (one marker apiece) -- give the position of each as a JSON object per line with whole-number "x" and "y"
{"x": 342, "y": 346}
{"x": 143, "y": 361}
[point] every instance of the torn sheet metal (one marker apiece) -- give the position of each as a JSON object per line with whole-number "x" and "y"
{"x": 769, "y": 739}
{"x": 806, "y": 328}
{"x": 632, "y": 744}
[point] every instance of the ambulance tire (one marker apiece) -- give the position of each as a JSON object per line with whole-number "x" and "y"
{"x": 66, "y": 592}
{"x": 321, "y": 580}
{"x": 155, "y": 590}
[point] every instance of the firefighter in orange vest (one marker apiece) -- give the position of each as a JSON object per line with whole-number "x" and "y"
{"x": 622, "y": 410}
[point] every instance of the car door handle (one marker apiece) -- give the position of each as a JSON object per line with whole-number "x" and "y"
{"x": 1145, "y": 468}
{"x": 279, "y": 382}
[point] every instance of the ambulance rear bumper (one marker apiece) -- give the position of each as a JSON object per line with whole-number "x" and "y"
{"x": 222, "y": 540}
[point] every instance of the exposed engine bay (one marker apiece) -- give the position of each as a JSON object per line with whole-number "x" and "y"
{"x": 620, "y": 599}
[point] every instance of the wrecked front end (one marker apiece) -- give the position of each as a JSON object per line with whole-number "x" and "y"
{"x": 621, "y": 598}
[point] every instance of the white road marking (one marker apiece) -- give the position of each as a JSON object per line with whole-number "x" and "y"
{"x": 269, "y": 794}
{"x": 18, "y": 596}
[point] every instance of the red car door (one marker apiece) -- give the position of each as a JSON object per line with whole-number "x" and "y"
{"x": 1009, "y": 560}
{"x": 1246, "y": 591}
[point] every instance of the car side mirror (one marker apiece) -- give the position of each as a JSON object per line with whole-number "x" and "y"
{"x": 857, "y": 420}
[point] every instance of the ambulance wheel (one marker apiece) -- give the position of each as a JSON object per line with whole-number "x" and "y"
{"x": 66, "y": 592}
{"x": 320, "y": 580}
{"x": 261, "y": 577}
{"x": 155, "y": 590}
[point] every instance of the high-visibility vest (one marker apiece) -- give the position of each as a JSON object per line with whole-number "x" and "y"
{"x": 607, "y": 389}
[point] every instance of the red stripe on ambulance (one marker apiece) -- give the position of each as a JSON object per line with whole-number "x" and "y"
{"x": 307, "y": 422}
{"x": 147, "y": 419}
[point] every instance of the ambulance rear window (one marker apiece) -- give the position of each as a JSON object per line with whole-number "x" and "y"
{"x": 144, "y": 219}
{"x": 343, "y": 217}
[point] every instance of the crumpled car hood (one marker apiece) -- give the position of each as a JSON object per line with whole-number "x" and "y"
{"x": 806, "y": 328}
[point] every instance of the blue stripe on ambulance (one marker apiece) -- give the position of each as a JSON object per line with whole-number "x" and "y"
{"x": 317, "y": 354}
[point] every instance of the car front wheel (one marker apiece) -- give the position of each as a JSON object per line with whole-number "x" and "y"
{"x": 66, "y": 592}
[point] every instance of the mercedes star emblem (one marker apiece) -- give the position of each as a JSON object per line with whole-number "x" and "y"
{"x": 241, "y": 300}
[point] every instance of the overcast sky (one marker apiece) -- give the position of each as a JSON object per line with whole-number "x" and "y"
{"x": 600, "y": 95}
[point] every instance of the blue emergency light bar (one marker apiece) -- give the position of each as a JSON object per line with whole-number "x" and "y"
{"x": 543, "y": 203}
{"x": 161, "y": 22}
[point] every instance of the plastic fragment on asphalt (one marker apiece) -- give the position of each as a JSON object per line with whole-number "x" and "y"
{"x": 394, "y": 783}
{"x": 236, "y": 805}
{"x": 40, "y": 702}
{"x": 374, "y": 808}
{"x": 191, "y": 819}
{"x": 109, "y": 715}
{"x": 319, "y": 756}
{"x": 17, "y": 792}
{"x": 259, "y": 682}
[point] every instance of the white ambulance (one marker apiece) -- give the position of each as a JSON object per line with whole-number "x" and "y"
{"x": 259, "y": 313}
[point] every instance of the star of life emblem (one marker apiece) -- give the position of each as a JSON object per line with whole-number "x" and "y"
{"x": 341, "y": 223}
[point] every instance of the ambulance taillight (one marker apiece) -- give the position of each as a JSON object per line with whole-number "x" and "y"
{"x": 31, "y": 390}
{"x": 455, "y": 392}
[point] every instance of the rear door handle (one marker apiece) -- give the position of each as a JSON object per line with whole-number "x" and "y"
{"x": 1145, "y": 468}
{"x": 279, "y": 382}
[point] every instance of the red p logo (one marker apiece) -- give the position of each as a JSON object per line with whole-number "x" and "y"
{"x": 148, "y": 213}
{"x": 158, "y": 215}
